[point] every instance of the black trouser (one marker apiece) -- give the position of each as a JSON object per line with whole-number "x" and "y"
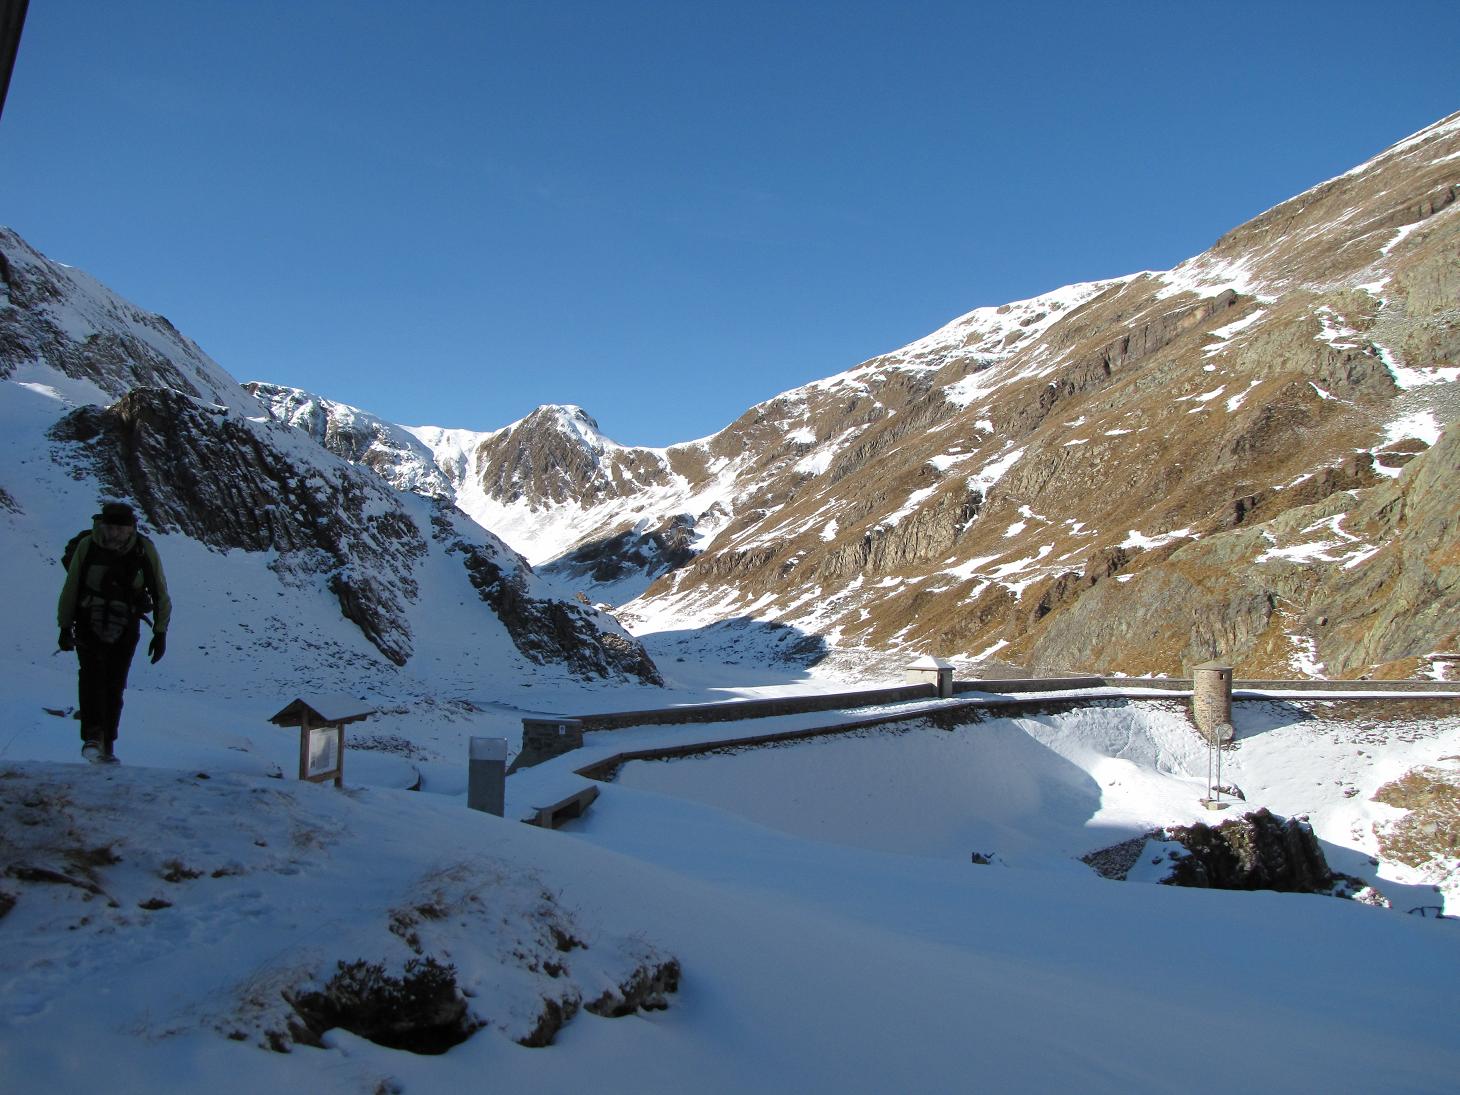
{"x": 103, "y": 679}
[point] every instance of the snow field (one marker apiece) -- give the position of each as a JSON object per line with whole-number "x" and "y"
{"x": 833, "y": 933}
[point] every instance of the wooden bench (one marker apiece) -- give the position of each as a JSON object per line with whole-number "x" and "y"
{"x": 565, "y": 809}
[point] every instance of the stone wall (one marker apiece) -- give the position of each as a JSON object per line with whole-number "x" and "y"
{"x": 543, "y": 739}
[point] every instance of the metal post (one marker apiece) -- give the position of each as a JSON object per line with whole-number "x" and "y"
{"x": 1217, "y": 744}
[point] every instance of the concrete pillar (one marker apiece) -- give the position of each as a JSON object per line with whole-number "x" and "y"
{"x": 486, "y": 781}
{"x": 1211, "y": 699}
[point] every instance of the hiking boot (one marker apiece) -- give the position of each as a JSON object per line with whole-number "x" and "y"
{"x": 91, "y": 750}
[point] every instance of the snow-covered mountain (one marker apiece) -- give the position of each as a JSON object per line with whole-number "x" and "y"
{"x": 1244, "y": 457}
{"x": 189, "y": 921}
{"x": 1141, "y": 474}
{"x": 273, "y": 541}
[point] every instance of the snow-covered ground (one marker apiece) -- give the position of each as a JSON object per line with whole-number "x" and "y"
{"x": 832, "y": 931}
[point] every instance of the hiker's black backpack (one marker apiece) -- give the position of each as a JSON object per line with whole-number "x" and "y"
{"x": 112, "y": 611}
{"x": 71, "y": 545}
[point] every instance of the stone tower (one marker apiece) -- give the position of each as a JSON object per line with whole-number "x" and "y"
{"x": 1211, "y": 699}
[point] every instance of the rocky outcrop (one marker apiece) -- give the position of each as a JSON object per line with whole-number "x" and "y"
{"x": 645, "y": 989}
{"x": 546, "y": 630}
{"x": 232, "y": 483}
{"x": 1260, "y": 851}
{"x": 421, "y": 1011}
{"x": 357, "y": 436}
{"x": 634, "y": 552}
{"x": 42, "y": 306}
{"x": 557, "y": 455}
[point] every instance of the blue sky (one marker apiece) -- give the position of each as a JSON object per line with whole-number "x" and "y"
{"x": 448, "y": 212}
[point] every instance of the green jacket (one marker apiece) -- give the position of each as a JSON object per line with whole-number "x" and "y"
{"x": 89, "y": 566}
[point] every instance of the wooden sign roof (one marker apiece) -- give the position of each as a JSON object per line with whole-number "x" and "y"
{"x": 322, "y": 711}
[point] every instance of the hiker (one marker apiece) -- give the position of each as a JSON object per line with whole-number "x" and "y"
{"x": 113, "y": 578}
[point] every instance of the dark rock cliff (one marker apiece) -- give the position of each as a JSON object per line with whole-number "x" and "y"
{"x": 544, "y": 629}
{"x": 1260, "y": 851}
{"x": 233, "y": 483}
{"x": 230, "y": 483}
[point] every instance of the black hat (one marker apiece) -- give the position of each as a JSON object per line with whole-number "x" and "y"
{"x": 117, "y": 513}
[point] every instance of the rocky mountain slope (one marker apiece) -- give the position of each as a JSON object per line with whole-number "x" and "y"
{"x": 124, "y": 406}
{"x": 1236, "y": 458}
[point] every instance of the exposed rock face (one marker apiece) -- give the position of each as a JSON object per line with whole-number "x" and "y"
{"x": 634, "y": 552}
{"x": 644, "y": 990}
{"x": 545, "y": 629}
{"x": 421, "y": 1011}
{"x": 227, "y": 482}
{"x": 1399, "y": 599}
{"x": 1257, "y": 852}
{"x": 42, "y": 304}
{"x": 389, "y": 451}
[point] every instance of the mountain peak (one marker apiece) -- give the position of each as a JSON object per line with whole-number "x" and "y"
{"x": 569, "y": 420}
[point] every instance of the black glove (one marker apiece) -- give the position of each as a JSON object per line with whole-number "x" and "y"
{"x": 158, "y": 646}
{"x": 67, "y": 641}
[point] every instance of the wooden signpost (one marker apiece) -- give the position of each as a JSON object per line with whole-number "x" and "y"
{"x": 322, "y": 721}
